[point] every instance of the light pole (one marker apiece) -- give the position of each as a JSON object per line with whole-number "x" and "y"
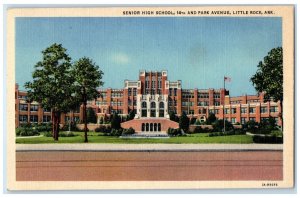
{"x": 84, "y": 101}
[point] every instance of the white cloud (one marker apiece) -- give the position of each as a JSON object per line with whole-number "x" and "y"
{"x": 120, "y": 58}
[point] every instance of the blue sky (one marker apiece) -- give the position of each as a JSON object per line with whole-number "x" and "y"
{"x": 197, "y": 50}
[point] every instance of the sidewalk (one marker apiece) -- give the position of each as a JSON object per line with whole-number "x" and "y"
{"x": 148, "y": 147}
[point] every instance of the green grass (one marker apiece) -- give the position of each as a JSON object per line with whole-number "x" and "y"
{"x": 95, "y": 138}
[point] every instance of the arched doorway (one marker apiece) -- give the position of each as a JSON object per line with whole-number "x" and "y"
{"x": 143, "y": 126}
{"x": 151, "y": 126}
{"x": 155, "y": 126}
{"x": 159, "y": 127}
{"x": 147, "y": 127}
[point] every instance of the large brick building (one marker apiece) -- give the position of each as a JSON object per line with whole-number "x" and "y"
{"x": 152, "y": 97}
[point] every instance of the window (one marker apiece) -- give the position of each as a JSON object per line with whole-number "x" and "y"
{"x": 263, "y": 110}
{"x": 233, "y": 111}
{"x": 244, "y": 110}
{"x": 175, "y": 92}
{"x": 46, "y": 118}
{"x": 103, "y": 94}
{"x": 153, "y": 105}
{"x": 153, "y": 84}
{"x": 134, "y": 91}
{"x": 99, "y": 103}
{"x": 217, "y": 103}
{"x": 34, "y": 107}
{"x": 33, "y": 118}
{"x": 76, "y": 118}
{"x": 129, "y": 102}
{"x": 227, "y": 111}
{"x": 144, "y": 105}
{"x": 203, "y": 95}
{"x": 273, "y": 109}
{"x": 23, "y": 107}
{"x": 252, "y": 110}
{"x": 191, "y": 112}
{"x": 216, "y": 95}
{"x": 23, "y": 118}
{"x": 203, "y": 103}
{"x": 159, "y": 82}
{"x": 161, "y": 105}
{"x": 243, "y": 120}
{"x": 134, "y": 102}
{"x": 152, "y": 92}
{"x": 116, "y": 94}
{"x": 129, "y": 91}
{"x": 252, "y": 119}
{"x": 170, "y": 92}
{"x": 216, "y": 111}
{"x": 233, "y": 120}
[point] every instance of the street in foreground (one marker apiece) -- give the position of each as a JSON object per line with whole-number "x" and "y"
{"x": 148, "y": 165}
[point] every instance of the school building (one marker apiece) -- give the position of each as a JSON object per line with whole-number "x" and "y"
{"x": 152, "y": 97}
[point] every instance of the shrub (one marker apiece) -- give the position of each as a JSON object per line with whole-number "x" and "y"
{"x": 211, "y": 118}
{"x": 103, "y": 129}
{"x": 218, "y": 125}
{"x": 116, "y": 132}
{"x": 174, "y": 132}
{"x": 184, "y": 122}
{"x": 115, "y": 121}
{"x": 73, "y": 127}
{"x": 43, "y": 127}
{"x": 267, "y": 139}
{"x": 26, "y": 131}
{"x": 198, "y": 129}
{"x": 129, "y": 131}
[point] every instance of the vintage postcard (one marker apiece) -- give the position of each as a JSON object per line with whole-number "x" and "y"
{"x": 197, "y": 97}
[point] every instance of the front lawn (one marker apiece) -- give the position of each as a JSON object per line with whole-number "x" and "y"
{"x": 94, "y": 137}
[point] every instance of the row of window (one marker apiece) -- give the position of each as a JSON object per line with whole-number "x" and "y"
{"x": 24, "y": 107}
{"x": 46, "y": 118}
{"x": 117, "y": 95}
{"x": 152, "y": 105}
{"x": 132, "y": 90}
{"x": 273, "y": 109}
{"x": 173, "y": 92}
{"x": 116, "y": 103}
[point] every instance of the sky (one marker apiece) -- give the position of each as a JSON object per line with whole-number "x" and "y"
{"x": 200, "y": 51}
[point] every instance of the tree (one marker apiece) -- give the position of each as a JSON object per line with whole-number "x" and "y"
{"x": 52, "y": 84}
{"x": 184, "y": 122}
{"x": 269, "y": 76}
{"x": 173, "y": 117}
{"x": 211, "y": 118}
{"x": 91, "y": 115}
{"x": 87, "y": 79}
{"x": 130, "y": 116}
{"x": 115, "y": 121}
{"x": 218, "y": 125}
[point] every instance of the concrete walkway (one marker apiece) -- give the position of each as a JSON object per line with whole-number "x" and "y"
{"x": 148, "y": 147}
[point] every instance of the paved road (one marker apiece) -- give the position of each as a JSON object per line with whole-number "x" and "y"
{"x": 148, "y": 166}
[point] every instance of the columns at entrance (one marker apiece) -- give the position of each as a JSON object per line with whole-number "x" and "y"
{"x": 151, "y": 127}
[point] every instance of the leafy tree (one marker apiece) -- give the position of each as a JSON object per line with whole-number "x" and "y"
{"x": 218, "y": 125}
{"x": 211, "y": 118}
{"x": 269, "y": 76}
{"x": 115, "y": 121}
{"x": 91, "y": 115}
{"x": 173, "y": 116}
{"x": 130, "y": 116}
{"x": 52, "y": 84}
{"x": 87, "y": 79}
{"x": 184, "y": 122}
